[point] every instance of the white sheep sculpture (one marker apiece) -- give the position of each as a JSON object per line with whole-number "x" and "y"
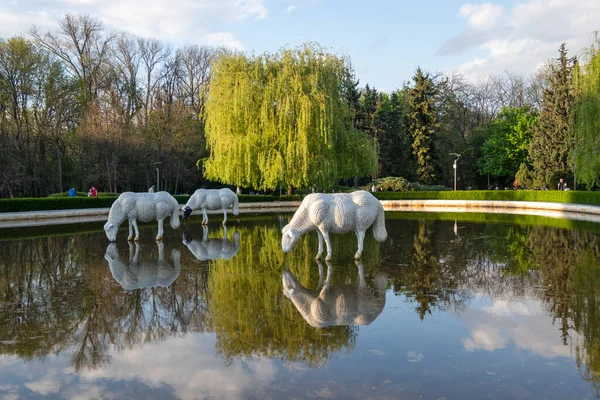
{"x": 143, "y": 207}
{"x": 212, "y": 199}
{"x": 138, "y": 274}
{"x": 337, "y": 304}
{"x": 212, "y": 249}
{"x": 337, "y": 213}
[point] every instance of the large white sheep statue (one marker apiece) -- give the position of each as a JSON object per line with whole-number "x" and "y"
{"x": 138, "y": 274}
{"x": 337, "y": 213}
{"x": 212, "y": 199}
{"x": 143, "y": 207}
{"x": 337, "y": 304}
{"x": 212, "y": 249}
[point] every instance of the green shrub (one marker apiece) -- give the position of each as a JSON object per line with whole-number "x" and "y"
{"x": 551, "y": 196}
{"x": 54, "y": 203}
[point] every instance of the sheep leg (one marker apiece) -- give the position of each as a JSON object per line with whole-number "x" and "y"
{"x": 361, "y": 238}
{"x": 137, "y": 231}
{"x": 204, "y": 216}
{"x": 328, "y": 244}
{"x": 320, "y": 285}
{"x": 161, "y": 251}
{"x": 320, "y": 251}
{"x": 130, "y": 250}
{"x": 160, "y": 230}
{"x": 137, "y": 253}
{"x": 224, "y": 216}
{"x": 130, "y": 237}
{"x": 361, "y": 274}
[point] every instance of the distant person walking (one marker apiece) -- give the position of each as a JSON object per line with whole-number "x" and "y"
{"x": 151, "y": 190}
{"x": 374, "y": 188}
{"x": 72, "y": 192}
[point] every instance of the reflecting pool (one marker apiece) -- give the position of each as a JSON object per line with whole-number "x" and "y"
{"x": 448, "y": 307}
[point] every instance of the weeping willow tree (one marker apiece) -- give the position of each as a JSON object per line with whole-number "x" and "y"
{"x": 283, "y": 119}
{"x": 250, "y": 315}
{"x": 586, "y": 123}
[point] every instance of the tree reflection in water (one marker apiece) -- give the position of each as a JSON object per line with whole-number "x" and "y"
{"x": 57, "y": 294}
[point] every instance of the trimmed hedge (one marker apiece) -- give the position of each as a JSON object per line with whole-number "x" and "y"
{"x": 551, "y": 196}
{"x": 548, "y": 196}
{"x": 66, "y": 203}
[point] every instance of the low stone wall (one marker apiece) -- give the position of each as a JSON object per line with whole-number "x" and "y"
{"x": 59, "y": 217}
{"x": 556, "y": 210}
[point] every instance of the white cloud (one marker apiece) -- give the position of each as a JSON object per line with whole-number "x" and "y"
{"x": 45, "y": 386}
{"x": 482, "y": 16}
{"x": 190, "y": 367}
{"x": 18, "y": 23}
{"x": 291, "y": 8}
{"x": 523, "y": 323}
{"x": 224, "y": 39}
{"x": 187, "y": 21}
{"x": 187, "y": 366}
{"x": 522, "y": 38}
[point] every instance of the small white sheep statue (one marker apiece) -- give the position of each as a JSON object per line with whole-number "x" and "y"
{"x": 143, "y": 207}
{"x": 337, "y": 304}
{"x": 138, "y": 274}
{"x": 337, "y": 213}
{"x": 212, "y": 199}
{"x": 212, "y": 249}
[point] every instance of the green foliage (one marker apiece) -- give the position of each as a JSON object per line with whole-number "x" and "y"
{"x": 283, "y": 119}
{"x": 423, "y": 125}
{"x": 550, "y": 144}
{"x": 586, "y": 122}
{"x": 507, "y": 144}
{"x": 384, "y": 117}
{"x": 524, "y": 176}
{"x": 393, "y": 183}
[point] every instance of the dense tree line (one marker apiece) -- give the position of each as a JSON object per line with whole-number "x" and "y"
{"x": 81, "y": 106}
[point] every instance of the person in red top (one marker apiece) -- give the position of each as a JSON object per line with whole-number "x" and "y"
{"x": 93, "y": 192}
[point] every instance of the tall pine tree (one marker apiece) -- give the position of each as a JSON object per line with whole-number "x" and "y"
{"x": 550, "y": 144}
{"x": 423, "y": 125}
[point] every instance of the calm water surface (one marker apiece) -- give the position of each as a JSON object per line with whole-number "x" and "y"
{"x": 444, "y": 309}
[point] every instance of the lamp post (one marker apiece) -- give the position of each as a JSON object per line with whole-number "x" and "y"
{"x": 156, "y": 165}
{"x": 454, "y": 166}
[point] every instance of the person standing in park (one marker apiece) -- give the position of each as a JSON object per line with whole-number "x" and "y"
{"x": 561, "y": 184}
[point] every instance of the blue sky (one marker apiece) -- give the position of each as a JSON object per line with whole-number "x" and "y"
{"x": 385, "y": 39}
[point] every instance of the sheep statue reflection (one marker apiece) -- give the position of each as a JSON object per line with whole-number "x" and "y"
{"x": 337, "y": 213}
{"x": 138, "y": 274}
{"x": 211, "y": 199}
{"x": 212, "y": 249}
{"x": 144, "y": 207}
{"x": 337, "y": 304}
